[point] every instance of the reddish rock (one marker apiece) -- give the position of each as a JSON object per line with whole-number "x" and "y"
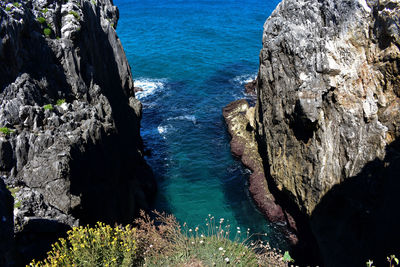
{"x": 238, "y": 116}
{"x": 251, "y": 87}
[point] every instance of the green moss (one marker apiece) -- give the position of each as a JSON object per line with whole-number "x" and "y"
{"x": 41, "y": 20}
{"x": 5, "y": 130}
{"x": 8, "y": 8}
{"x": 16, "y": 4}
{"x": 45, "y": 10}
{"x": 48, "y": 107}
{"x": 47, "y": 32}
{"x": 13, "y": 191}
{"x": 75, "y": 15}
{"x": 60, "y": 102}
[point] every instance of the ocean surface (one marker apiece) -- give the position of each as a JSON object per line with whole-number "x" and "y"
{"x": 191, "y": 58}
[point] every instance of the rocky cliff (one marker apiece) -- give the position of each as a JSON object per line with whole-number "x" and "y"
{"x": 328, "y": 118}
{"x": 70, "y": 146}
{"x": 6, "y": 225}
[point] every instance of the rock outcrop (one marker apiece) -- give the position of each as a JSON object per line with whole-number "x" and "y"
{"x": 70, "y": 141}
{"x": 327, "y": 118}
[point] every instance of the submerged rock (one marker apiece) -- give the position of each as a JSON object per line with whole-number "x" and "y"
{"x": 327, "y": 118}
{"x": 73, "y": 147}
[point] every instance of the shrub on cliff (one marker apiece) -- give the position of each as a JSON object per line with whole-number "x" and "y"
{"x": 98, "y": 246}
{"x": 169, "y": 244}
{"x": 159, "y": 242}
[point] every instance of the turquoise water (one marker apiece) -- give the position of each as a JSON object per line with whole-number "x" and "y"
{"x": 192, "y": 58}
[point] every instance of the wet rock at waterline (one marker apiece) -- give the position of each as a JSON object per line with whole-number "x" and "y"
{"x": 70, "y": 146}
{"x": 239, "y": 117}
{"x": 251, "y": 87}
{"x": 328, "y": 118}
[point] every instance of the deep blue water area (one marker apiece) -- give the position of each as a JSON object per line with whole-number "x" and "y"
{"x": 192, "y": 58}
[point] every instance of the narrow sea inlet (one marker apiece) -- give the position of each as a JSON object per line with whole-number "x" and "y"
{"x": 191, "y": 58}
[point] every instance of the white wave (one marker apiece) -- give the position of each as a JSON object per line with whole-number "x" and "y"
{"x": 191, "y": 118}
{"x": 243, "y": 79}
{"x": 149, "y": 87}
{"x": 164, "y": 129}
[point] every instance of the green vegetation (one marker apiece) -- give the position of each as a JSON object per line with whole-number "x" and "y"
{"x": 16, "y": 4}
{"x": 6, "y": 130}
{"x": 76, "y": 15}
{"x": 60, "y": 102}
{"x": 98, "y": 246}
{"x": 162, "y": 242}
{"x": 41, "y": 20}
{"x": 8, "y": 8}
{"x": 14, "y": 191}
{"x": 47, "y": 32}
{"x": 48, "y": 107}
{"x": 45, "y": 10}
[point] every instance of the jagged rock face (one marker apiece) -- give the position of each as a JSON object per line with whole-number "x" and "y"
{"x": 328, "y": 92}
{"x": 328, "y": 119}
{"x": 81, "y": 160}
{"x": 6, "y": 225}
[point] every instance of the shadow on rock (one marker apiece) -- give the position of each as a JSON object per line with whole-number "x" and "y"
{"x": 357, "y": 220}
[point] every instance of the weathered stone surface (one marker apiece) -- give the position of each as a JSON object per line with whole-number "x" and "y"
{"x": 79, "y": 161}
{"x": 239, "y": 117}
{"x": 6, "y": 225}
{"x": 251, "y": 88}
{"x": 328, "y": 105}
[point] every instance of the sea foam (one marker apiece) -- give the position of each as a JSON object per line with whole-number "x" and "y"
{"x": 149, "y": 87}
{"x": 243, "y": 79}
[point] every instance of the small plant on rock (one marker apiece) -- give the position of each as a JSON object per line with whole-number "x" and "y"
{"x": 16, "y": 4}
{"x": 14, "y": 191}
{"x": 60, "y": 102}
{"x": 6, "y": 130}
{"x": 8, "y": 8}
{"x": 48, "y": 107}
{"x": 47, "y": 32}
{"x": 76, "y": 15}
{"x": 41, "y": 20}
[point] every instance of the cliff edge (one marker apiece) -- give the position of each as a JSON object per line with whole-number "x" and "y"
{"x": 70, "y": 145}
{"x": 327, "y": 121}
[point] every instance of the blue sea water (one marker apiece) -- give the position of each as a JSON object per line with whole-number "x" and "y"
{"x": 192, "y": 57}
